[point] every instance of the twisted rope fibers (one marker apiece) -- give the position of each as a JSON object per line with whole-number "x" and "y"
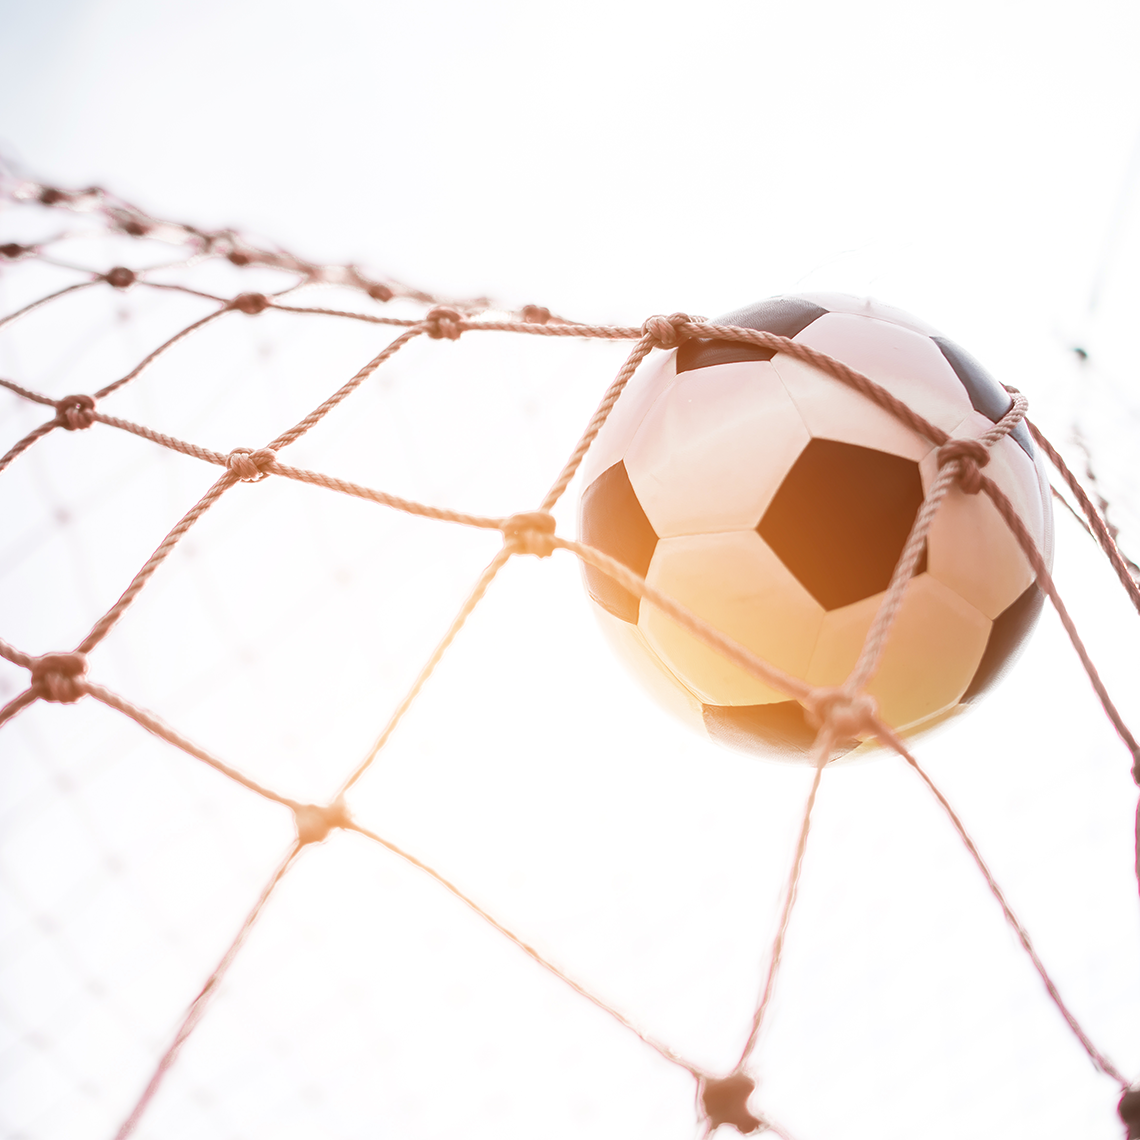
{"x": 841, "y": 713}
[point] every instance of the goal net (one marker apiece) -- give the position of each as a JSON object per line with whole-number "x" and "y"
{"x": 328, "y": 814}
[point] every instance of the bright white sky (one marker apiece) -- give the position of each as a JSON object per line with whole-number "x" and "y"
{"x": 974, "y": 163}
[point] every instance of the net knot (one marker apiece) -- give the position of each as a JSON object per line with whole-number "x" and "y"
{"x": 58, "y": 677}
{"x": 50, "y": 196}
{"x": 121, "y": 277}
{"x": 13, "y": 249}
{"x": 667, "y": 332}
{"x": 536, "y": 314}
{"x": 725, "y": 1101}
{"x": 380, "y": 292}
{"x": 441, "y": 323}
{"x": 75, "y": 412}
{"x": 529, "y": 533}
{"x": 848, "y": 715}
{"x": 1129, "y": 1110}
{"x": 315, "y": 822}
{"x": 238, "y": 257}
{"x": 250, "y": 466}
{"x": 250, "y": 303}
{"x": 970, "y": 455}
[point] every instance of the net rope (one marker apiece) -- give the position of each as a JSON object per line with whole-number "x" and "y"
{"x": 842, "y": 713}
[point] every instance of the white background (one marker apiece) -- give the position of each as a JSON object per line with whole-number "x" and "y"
{"x": 974, "y": 163}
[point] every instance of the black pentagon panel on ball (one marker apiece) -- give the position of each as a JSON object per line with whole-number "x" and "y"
{"x": 986, "y": 394}
{"x": 841, "y": 518}
{"x": 780, "y": 729}
{"x": 1010, "y": 629}
{"x": 613, "y": 521}
{"x": 783, "y": 316}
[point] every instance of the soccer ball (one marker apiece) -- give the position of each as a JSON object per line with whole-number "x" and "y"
{"x": 774, "y": 502}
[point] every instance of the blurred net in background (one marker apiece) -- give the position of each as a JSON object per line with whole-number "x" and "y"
{"x": 268, "y": 628}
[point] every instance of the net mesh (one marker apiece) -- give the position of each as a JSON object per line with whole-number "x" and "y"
{"x": 69, "y": 266}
